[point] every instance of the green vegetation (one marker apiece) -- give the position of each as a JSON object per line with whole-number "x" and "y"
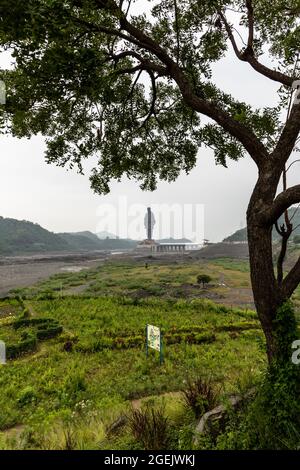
{"x": 63, "y": 392}
{"x": 241, "y": 235}
{"x": 98, "y": 106}
{"x": 19, "y": 237}
{"x": 203, "y": 279}
{"x": 22, "y": 237}
{"x": 130, "y": 278}
{"x": 233, "y": 264}
{"x": 201, "y": 396}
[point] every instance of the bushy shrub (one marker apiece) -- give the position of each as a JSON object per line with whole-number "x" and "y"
{"x": 43, "y": 328}
{"x": 150, "y": 427}
{"x": 25, "y": 313}
{"x": 49, "y": 332}
{"x": 203, "y": 279}
{"x": 23, "y": 322}
{"x": 200, "y": 396}
{"x": 272, "y": 419}
{"x": 27, "y": 345}
{"x": 68, "y": 336}
{"x": 48, "y": 295}
{"x": 26, "y": 396}
{"x": 75, "y": 384}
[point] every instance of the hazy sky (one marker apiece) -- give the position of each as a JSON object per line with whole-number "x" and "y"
{"x": 62, "y": 200}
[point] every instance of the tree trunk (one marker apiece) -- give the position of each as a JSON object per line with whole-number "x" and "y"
{"x": 266, "y": 290}
{"x": 266, "y": 297}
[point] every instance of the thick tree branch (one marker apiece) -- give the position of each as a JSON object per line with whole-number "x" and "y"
{"x": 177, "y": 32}
{"x": 249, "y": 140}
{"x": 250, "y": 24}
{"x": 136, "y": 36}
{"x": 95, "y": 28}
{"x": 254, "y": 147}
{"x": 129, "y": 70}
{"x": 248, "y": 54}
{"x": 281, "y": 203}
{"x": 291, "y": 281}
{"x": 230, "y": 35}
{"x": 288, "y": 138}
{"x": 145, "y": 63}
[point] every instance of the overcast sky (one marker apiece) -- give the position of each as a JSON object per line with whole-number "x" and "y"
{"x": 62, "y": 200}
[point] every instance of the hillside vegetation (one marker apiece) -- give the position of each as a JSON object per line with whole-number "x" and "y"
{"x": 19, "y": 237}
{"x": 241, "y": 235}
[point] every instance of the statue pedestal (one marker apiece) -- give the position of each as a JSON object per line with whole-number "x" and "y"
{"x": 146, "y": 244}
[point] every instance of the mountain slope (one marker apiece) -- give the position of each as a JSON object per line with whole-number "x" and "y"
{"x": 20, "y": 236}
{"x": 241, "y": 235}
{"x": 81, "y": 240}
{"x": 89, "y": 241}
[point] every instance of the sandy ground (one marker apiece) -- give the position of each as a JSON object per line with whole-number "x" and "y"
{"x": 24, "y": 271}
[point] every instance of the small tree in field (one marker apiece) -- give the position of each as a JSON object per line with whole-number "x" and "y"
{"x": 203, "y": 279}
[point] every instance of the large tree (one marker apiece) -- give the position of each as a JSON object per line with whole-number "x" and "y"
{"x": 98, "y": 78}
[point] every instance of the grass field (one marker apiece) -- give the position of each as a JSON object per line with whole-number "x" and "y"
{"x": 163, "y": 278}
{"x": 70, "y": 386}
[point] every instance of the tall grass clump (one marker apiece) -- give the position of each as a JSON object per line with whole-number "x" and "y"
{"x": 150, "y": 427}
{"x": 200, "y": 396}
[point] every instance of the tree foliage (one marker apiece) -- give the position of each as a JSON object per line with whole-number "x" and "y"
{"x": 203, "y": 279}
{"x": 100, "y": 80}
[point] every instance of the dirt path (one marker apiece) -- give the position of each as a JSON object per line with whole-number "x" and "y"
{"x": 14, "y": 432}
{"x": 136, "y": 404}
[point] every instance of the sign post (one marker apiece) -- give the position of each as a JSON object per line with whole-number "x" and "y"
{"x": 154, "y": 340}
{"x": 2, "y": 352}
{"x": 147, "y": 348}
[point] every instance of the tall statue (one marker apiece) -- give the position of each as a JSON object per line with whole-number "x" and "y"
{"x": 149, "y": 222}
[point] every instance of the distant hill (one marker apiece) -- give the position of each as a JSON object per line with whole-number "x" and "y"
{"x": 104, "y": 234}
{"x": 241, "y": 235}
{"x": 82, "y": 241}
{"x": 174, "y": 240}
{"x": 90, "y": 241}
{"x": 18, "y": 237}
{"x": 223, "y": 250}
{"x": 238, "y": 236}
